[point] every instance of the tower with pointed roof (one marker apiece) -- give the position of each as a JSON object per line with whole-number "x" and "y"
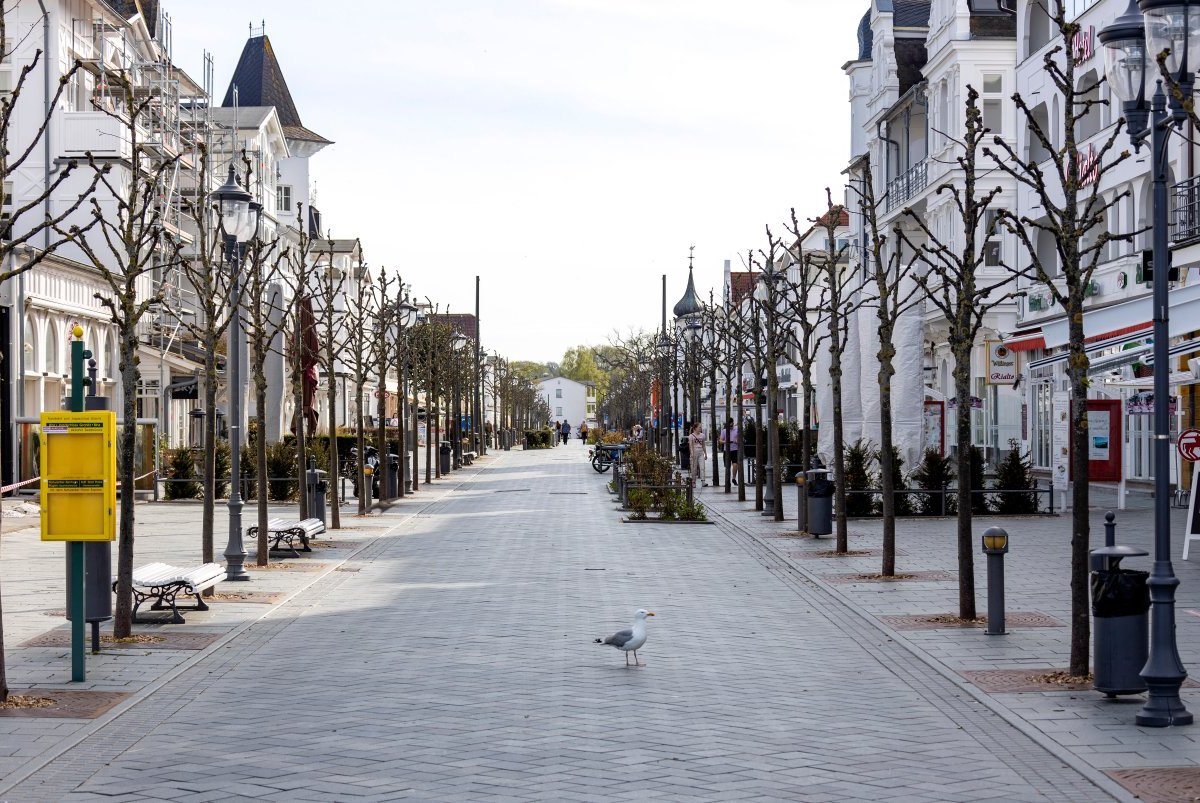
{"x": 259, "y": 83}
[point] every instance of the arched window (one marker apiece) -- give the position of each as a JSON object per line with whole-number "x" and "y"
{"x": 50, "y": 360}
{"x": 1034, "y": 149}
{"x": 1038, "y": 28}
{"x": 1088, "y": 124}
{"x": 30, "y": 346}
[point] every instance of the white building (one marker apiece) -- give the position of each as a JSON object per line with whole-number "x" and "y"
{"x": 570, "y": 401}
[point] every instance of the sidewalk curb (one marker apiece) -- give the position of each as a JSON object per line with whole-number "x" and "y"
{"x": 83, "y": 734}
{"x": 1095, "y": 776}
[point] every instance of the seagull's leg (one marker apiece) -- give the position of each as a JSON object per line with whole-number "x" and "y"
{"x": 626, "y": 659}
{"x": 636, "y": 662}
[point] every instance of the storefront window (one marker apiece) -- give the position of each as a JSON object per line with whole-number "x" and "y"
{"x": 1040, "y": 441}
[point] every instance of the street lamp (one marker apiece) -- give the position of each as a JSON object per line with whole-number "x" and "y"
{"x": 240, "y": 216}
{"x": 1131, "y": 43}
{"x": 406, "y": 316}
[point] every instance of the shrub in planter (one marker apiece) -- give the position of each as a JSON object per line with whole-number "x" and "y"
{"x": 979, "y": 501}
{"x": 933, "y": 474}
{"x": 281, "y": 462}
{"x": 670, "y": 504}
{"x": 1015, "y": 474}
{"x": 181, "y": 468}
{"x": 693, "y": 512}
{"x": 639, "y": 502}
{"x": 224, "y": 463}
{"x": 858, "y": 458}
{"x": 903, "y": 501}
{"x": 249, "y": 470}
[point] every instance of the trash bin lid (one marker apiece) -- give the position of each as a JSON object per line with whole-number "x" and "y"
{"x": 1119, "y": 551}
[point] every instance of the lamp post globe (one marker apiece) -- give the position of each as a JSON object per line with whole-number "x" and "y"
{"x": 1132, "y": 50}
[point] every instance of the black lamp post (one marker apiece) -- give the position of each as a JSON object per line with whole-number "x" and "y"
{"x": 689, "y": 314}
{"x": 1131, "y": 46}
{"x": 406, "y": 316}
{"x": 240, "y": 217}
{"x": 458, "y": 343}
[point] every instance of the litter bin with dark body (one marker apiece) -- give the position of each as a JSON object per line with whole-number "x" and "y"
{"x": 315, "y": 487}
{"x": 1121, "y": 621}
{"x": 444, "y": 452}
{"x": 820, "y": 501}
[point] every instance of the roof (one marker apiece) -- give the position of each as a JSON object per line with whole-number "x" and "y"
{"x": 131, "y": 8}
{"x": 741, "y": 285}
{"x": 247, "y": 116}
{"x": 259, "y": 81}
{"x": 866, "y": 37}
{"x": 463, "y": 323}
{"x": 910, "y": 13}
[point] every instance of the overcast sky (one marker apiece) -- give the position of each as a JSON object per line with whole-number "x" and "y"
{"x": 567, "y": 151}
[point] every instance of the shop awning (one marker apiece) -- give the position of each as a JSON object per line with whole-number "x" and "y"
{"x": 1025, "y": 341}
{"x": 1131, "y": 316}
{"x": 1094, "y": 350}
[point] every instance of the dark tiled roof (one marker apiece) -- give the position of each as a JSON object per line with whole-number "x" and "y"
{"x": 130, "y": 8}
{"x": 865, "y": 37}
{"x": 462, "y": 323}
{"x": 741, "y": 285}
{"x": 910, "y": 14}
{"x": 259, "y": 81}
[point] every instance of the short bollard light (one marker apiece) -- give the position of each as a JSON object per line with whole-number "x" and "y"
{"x": 995, "y": 545}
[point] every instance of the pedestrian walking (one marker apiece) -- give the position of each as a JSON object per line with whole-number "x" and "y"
{"x": 698, "y": 454}
{"x": 583, "y": 431}
{"x": 557, "y": 434}
{"x": 566, "y": 431}
{"x": 730, "y": 440}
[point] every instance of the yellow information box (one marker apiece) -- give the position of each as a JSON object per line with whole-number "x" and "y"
{"x": 79, "y": 476}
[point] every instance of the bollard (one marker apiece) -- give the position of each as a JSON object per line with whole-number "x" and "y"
{"x": 801, "y": 502}
{"x": 995, "y": 545}
{"x": 1110, "y": 529}
{"x": 768, "y": 489}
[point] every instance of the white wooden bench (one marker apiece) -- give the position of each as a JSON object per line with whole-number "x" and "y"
{"x": 287, "y": 531}
{"x": 162, "y": 582}
{"x": 469, "y": 457}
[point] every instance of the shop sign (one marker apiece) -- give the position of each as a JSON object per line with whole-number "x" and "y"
{"x": 1083, "y": 45}
{"x": 1089, "y": 166}
{"x": 1143, "y": 403}
{"x": 1001, "y": 364}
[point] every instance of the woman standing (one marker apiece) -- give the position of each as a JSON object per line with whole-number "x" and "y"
{"x": 698, "y": 453}
{"x": 583, "y": 431}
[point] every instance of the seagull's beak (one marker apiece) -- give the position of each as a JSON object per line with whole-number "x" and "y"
{"x": 650, "y": 614}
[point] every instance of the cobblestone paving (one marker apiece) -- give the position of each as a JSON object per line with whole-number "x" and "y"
{"x": 458, "y": 664}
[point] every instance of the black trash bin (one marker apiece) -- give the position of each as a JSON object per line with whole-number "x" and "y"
{"x": 820, "y": 501}
{"x": 97, "y": 582}
{"x": 444, "y": 452}
{"x": 1121, "y": 621}
{"x": 685, "y": 455}
{"x": 315, "y": 486}
{"x": 393, "y": 476}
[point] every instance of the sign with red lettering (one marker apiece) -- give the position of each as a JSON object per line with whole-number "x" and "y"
{"x": 1189, "y": 445}
{"x": 1083, "y": 44}
{"x": 1089, "y": 166}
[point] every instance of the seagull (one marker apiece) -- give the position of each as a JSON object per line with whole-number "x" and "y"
{"x": 630, "y": 640}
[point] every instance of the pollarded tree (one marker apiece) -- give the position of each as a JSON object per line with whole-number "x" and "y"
{"x": 951, "y": 274}
{"x": 329, "y": 284}
{"x": 1066, "y": 182}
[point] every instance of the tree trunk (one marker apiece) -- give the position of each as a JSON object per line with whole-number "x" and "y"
{"x": 127, "y": 445}
{"x": 887, "y": 463}
{"x": 260, "y": 456}
{"x": 298, "y": 401}
{"x": 385, "y": 465}
{"x": 839, "y": 434}
{"x": 209, "y": 440}
{"x": 773, "y": 429}
{"x": 360, "y": 440}
{"x": 335, "y": 515}
{"x": 962, "y": 428}
{"x": 741, "y": 424}
{"x": 1080, "y": 526}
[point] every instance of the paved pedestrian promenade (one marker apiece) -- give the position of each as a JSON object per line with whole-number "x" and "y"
{"x": 443, "y": 651}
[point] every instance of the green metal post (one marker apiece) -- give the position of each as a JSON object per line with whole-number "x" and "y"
{"x": 78, "y": 626}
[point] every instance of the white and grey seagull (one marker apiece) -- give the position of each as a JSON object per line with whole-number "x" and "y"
{"x": 631, "y": 640}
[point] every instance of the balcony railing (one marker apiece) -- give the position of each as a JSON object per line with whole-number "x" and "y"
{"x": 906, "y": 185}
{"x": 1186, "y": 226}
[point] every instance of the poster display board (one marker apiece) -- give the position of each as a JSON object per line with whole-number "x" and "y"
{"x": 1060, "y": 439}
{"x": 1104, "y": 440}
{"x": 79, "y": 476}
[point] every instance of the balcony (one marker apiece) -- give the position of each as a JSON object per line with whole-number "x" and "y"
{"x": 906, "y": 185}
{"x": 1185, "y": 228}
{"x": 94, "y": 132}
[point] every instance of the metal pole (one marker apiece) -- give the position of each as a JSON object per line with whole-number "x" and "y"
{"x": 1164, "y": 672}
{"x": 477, "y": 436}
{"x": 75, "y": 548}
{"x": 235, "y": 552}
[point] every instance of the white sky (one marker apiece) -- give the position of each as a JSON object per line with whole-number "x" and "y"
{"x": 567, "y": 151}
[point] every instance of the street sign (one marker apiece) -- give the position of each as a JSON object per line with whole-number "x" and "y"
{"x": 1189, "y": 445}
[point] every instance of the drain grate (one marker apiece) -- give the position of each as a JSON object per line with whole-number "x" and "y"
{"x": 568, "y": 493}
{"x": 912, "y": 577}
{"x": 512, "y": 490}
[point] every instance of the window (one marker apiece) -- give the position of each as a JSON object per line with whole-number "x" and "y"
{"x": 1042, "y": 419}
{"x": 993, "y": 103}
{"x": 283, "y": 198}
{"x": 50, "y": 358}
{"x": 558, "y": 411}
{"x": 558, "y": 393}
{"x": 993, "y": 246}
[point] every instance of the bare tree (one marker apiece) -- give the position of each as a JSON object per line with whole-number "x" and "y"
{"x": 355, "y": 345}
{"x": 304, "y": 350}
{"x": 382, "y": 349}
{"x": 894, "y": 294}
{"x": 952, "y": 280}
{"x": 18, "y": 228}
{"x": 839, "y": 304}
{"x": 205, "y": 273}
{"x": 330, "y": 283}
{"x": 1075, "y": 215}
{"x": 127, "y": 243}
